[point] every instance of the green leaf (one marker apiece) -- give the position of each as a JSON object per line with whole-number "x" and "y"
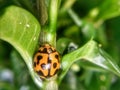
{"x": 19, "y": 28}
{"x": 26, "y": 4}
{"x": 62, "y": 44}
{"x": 109, "y": 9}
{"x": 6, "y": 86}
{"x": 42, "y": 11}
{"x": 90, "y": 55}
{"x": 100, "y": 80}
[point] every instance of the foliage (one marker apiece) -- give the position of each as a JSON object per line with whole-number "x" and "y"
{"x": 84, "y": 32}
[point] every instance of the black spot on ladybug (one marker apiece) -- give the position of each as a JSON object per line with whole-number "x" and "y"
{"x": 43, "y": 66}
{"x": 56, "y": 71}
{"x": 39, "y": 51}
{"x": 50, "y": 50}
{"x": 49, "y": 60}
{"x": 44, "y": 50}
{"x": 56, "y": 56}
{"x": 34, "y": 64}
{"x": 49, "y": 73}
{"x": 38, "y": 59}
{"x": 40, "y": 73}
{"x": 54, "y": 65}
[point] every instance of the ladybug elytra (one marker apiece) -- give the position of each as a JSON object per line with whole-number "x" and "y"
{"x": 46, "y": 61}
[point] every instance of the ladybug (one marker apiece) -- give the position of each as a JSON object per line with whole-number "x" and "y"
{"x": 46, "y": 61}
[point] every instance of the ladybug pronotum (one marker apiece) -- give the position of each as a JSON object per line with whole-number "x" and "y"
{"x": 46, "y": 61}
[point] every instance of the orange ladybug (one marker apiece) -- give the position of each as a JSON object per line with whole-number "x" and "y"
{"x": 46, "y": 61}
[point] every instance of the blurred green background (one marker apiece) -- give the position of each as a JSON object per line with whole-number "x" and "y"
{"x": 78, "y": 21}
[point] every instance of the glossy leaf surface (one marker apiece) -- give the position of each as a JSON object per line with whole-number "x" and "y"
{"x": 90, "y": 55}
{"x": 19, "y": 28}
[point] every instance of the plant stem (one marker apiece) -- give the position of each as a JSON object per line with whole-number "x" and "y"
{"x": 48, "y": 34}
{"x": 53, "y": 11}
{"x": 50, "y": 37}
{"x": 52, "y": 85}
{"x": 42, "y": 12}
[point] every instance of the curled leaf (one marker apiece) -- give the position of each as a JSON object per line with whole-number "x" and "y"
{"x": 21, "y": 29}
{"x": 90, "y": 55}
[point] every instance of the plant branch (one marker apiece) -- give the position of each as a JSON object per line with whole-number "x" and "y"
{"x": 53, "y": 11}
